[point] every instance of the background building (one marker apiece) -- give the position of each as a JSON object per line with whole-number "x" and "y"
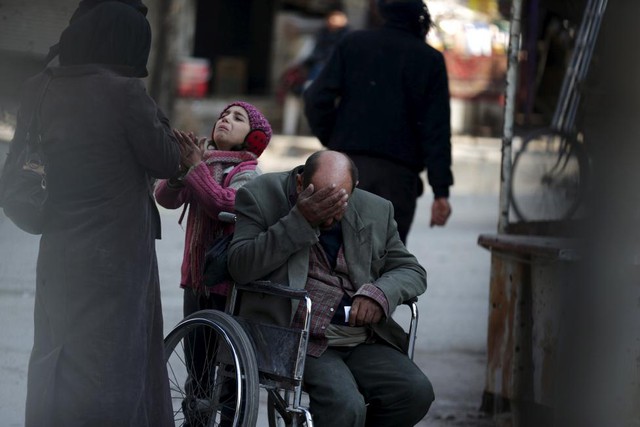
{"x": 206, "y": 52}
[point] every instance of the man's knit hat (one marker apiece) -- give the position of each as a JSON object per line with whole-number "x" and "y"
{"x": 255, "y": 142}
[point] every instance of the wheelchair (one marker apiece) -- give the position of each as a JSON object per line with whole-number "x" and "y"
{"x": 238, "y": 357}
{"x": 218, "y": 361}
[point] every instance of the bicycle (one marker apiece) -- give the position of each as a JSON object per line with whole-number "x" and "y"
{"x": 550, "y": 172}
{"x": 550, "y": 175}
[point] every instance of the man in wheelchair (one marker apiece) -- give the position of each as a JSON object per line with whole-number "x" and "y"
{"x": 312, "y": 228}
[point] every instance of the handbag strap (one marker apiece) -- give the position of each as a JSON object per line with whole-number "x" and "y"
{"x": 34, "y": 121}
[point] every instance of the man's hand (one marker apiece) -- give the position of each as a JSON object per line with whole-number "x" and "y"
{"x": 440, "y": 211}
{"x": 321, "y": 206}
{"x": 364, "y": 311}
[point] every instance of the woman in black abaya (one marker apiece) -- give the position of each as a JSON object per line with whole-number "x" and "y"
{"x": 98, "y": 357}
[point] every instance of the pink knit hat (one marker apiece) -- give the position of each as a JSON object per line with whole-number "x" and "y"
{"x": 260, "y": 134}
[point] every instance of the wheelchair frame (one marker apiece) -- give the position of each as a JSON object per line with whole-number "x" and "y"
{"x": 246, "y": 363}
{"x": 280, "y": 374}
{"x": 239, "y": 360}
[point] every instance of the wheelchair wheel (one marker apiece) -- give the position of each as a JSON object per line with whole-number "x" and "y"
{"x": 213, "y": 373}
{"x": 549, "y": 177}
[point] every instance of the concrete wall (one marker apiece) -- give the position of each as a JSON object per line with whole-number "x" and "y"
{"x": 32, "y": 26}
{"x": 27, "y": 30}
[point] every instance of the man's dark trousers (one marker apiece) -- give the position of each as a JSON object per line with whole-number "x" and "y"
{"x": 394, "y": 182}
{"x": 343, "y": 379}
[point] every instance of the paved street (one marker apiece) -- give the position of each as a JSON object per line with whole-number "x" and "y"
{"x": 453, "y": 322}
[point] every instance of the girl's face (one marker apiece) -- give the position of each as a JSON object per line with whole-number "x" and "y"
{"x": 231, "y": 128}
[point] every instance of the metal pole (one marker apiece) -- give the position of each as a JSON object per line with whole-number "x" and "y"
{"x": 509, "y": 113}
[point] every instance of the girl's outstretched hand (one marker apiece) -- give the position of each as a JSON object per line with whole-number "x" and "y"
{"x": 191, "y": 148}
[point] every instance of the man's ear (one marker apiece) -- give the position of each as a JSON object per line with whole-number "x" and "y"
{"x": 299, "y": 183}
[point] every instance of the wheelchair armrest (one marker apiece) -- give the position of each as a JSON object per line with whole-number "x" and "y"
{"x": 413, "y": 326}
{"x": 410, "y": 301}
{"x": 276, "y": 289}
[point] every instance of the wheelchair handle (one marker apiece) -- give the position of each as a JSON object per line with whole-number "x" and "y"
{"x": 410, "y": 301}
{"x": 229, "y": 217}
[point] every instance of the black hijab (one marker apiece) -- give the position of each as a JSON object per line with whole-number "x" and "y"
{"x": 111, "y": 33}
{"x": 86, "y": 6}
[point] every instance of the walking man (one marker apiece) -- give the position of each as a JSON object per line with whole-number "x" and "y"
{"x": 383, "y": 98}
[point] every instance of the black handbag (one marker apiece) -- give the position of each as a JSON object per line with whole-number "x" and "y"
{"x": 215, "y": 262}
{"x": 23, "y": 189}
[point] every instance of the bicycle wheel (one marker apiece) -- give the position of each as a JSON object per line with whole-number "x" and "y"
{"x": 213, "y": 373}
{"x": 548, "y": 177}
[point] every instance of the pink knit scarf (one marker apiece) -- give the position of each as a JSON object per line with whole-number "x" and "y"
{"x": 206, "y": 229}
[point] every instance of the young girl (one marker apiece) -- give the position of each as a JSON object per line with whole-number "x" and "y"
{"x": 211, "y": 175}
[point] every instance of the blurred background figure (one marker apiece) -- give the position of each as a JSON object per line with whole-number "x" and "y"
{"x": 336, "y": 26}
{"x": 297, "y": 77}
{"x": 383, "y": 99}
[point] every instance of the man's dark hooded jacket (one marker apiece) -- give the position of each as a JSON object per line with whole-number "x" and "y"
{"x": 384, "y": 93}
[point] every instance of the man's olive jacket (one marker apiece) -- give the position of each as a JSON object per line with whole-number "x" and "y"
{"x": 272, "y": 241}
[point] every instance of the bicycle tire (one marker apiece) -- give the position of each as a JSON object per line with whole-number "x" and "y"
{"x": 229, "y": 369}
{"x": 549, "y": 177}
